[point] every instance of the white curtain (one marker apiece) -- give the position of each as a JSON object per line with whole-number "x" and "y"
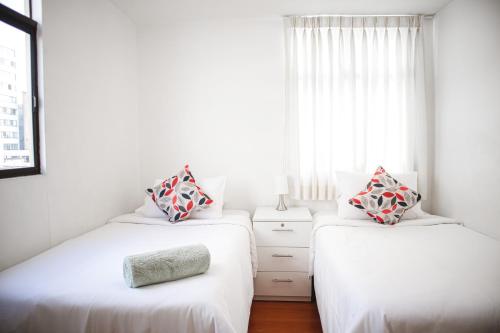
{"x": 355, "y": 99}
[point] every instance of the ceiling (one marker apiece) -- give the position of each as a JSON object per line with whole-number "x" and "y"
{"x": 163, "y": 11}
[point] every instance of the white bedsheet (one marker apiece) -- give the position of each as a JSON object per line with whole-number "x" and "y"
{"x": 427, "y": 275}
{"x": 78, "y": 285}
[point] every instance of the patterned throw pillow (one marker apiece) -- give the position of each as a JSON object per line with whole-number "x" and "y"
{"x": 385, "y": 199}
{"x": 179, "y": 195}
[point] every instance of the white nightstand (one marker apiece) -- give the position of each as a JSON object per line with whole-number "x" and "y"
{"x": 283, "y": 250}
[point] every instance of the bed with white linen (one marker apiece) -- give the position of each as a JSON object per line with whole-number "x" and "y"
{"x": 425, "y": 275}
{"x": 78, "y": 286}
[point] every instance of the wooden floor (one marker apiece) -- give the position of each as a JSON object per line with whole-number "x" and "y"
{"x": 276, "y": 317}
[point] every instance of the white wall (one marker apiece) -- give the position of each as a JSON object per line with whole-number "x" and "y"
{"x": 467, "y": 135}
{"x": 211, "y": 94}
{"x": 89, "y": 53}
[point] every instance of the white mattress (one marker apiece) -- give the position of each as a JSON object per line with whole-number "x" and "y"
{"x": 427, "y": 275}
{"x": 78, "y": 285}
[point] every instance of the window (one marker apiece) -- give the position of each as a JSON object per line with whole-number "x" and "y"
{"x": 355, "y": 99}
{"x": 19, "y": 139}
{"x": 9, "y": 135}
{"x": 8, "y": 122}
{"x": 10, "y": 146}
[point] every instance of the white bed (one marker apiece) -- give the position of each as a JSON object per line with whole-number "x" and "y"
{"x": 78, "y": 285}
{"x": 426, "y": 275}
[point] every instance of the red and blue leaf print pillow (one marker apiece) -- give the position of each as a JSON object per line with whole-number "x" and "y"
{"x": 179, "y": 195}
{"x": 385, "y": 199}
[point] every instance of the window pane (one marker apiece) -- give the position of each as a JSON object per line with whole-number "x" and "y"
{"x": 16, "y": 122}
{"x": 21, "y": 6}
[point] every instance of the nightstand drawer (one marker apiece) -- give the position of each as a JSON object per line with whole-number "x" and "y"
{"x": 295, "y": 234}
{"x": 288, "y": 259}
{"x": 282, "y": 284}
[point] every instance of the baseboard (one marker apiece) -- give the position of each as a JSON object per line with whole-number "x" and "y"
{"x": 283, "y": 298}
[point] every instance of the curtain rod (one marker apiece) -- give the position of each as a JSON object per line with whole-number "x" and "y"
{"x": 345, "y": 15}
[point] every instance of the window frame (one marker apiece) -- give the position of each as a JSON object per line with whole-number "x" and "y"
{"x": 30, "y": 27}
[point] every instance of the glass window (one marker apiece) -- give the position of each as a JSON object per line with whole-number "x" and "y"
{"x": 18, "y": 91}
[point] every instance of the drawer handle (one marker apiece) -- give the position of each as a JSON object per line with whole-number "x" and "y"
{"x": 282, "y": 229}
{"x": 282, "y": 255}
{"x": 282, "y": 280}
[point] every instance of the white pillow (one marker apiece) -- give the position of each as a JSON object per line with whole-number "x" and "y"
{"x": 351, "y": 183}
{"x": 214, "y": 187}
{"x": 149, "y": 208}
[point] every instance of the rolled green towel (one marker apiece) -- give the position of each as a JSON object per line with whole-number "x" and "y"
{"x": 166, "y": 265}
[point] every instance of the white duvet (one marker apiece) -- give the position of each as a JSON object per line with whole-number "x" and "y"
{"x": 78, "y": 285}
{"x": 426, "y": 275}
